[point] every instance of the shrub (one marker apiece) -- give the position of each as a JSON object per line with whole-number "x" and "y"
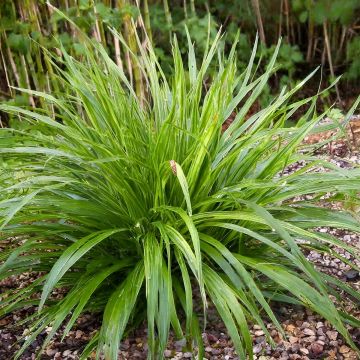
{"x": 133, "y": 204}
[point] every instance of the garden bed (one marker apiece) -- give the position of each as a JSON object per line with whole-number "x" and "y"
{"x": 308, "y": 336}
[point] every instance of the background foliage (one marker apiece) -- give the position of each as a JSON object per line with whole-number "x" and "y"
{"x": 315, "y": 32}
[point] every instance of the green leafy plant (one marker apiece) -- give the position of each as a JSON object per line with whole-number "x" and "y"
{"x": 133, "y": 206}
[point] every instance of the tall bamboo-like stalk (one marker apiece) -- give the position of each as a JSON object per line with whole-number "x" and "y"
{"x": 137, "y": 71}
{"x": 99, "y": 28}
{"x": 286, "y": 11}
{"x": 147, "y": 20}
{"x": 185, "y": 9}
{"x": 310, "y": 39}
{"x": 117, "y": 51}
{"x": 70, "y": 26}
{"x": 20, "y": 71}
{"x": 11, "y": 72}
{"x": 328, "y": 51}
{"x": 280, "y": 18}
{"x": 167, "y": 13}
{"x": 342, "y": 41}
{"x": 6, "y": 71}
{"x": 260, "y": 26}
{"x": 120, "y": 4}
{"x": 96, "y": 32}
{"x": 38, "y": 74}
{"x": 27, "y": 79}
{"x": 311, "y": 44}
{"x": 192, "y": 7}
{"x": 55, "y": 30}
{"x": 132, "y": 65}
{"x": 12, "y": 62}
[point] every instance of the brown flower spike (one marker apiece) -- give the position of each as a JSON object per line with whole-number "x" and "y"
{"x": 173, "y": 166}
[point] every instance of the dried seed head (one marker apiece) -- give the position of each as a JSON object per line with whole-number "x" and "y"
{"x": 173, "y": 166}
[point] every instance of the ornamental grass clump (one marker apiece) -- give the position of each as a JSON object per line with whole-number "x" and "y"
{"x": 133, "y": 205}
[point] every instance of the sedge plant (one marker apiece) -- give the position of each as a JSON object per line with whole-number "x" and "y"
{"x": 139, "y": 206}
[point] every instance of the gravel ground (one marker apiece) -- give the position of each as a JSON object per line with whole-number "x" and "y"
{"x": 308, "y": 336}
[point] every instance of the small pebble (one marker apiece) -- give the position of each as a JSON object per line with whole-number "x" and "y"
{"x": 51, "y": 352}
{"x": 259, "y": 333}
{"x": 179, "y": 344}
{"x": 332, "y": 335}
{"x": 351, "y": 275}
{"x": 344, "y": 349}
{"x": 79, "y": 334}
{"x": 317, "y": 348}
{"x": 257, "y": 348}
{"x": 309, "y": 332}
